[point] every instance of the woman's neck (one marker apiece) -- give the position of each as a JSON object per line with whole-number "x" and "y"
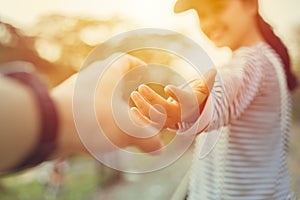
{"x": 252, "y": 38}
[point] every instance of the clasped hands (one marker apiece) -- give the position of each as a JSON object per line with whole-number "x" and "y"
{"x": 184, "y": 104}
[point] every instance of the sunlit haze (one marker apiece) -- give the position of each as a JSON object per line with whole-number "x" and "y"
{"x": 147, "y": 13}
{"x": 282, "y": 14}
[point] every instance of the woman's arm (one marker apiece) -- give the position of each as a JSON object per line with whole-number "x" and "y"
{"x": 236, "y": 86}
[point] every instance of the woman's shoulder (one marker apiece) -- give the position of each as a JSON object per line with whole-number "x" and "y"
{"x": 256, "y": 50}
{"x": 257, "y": 57}
{"x": 253, "y": 55}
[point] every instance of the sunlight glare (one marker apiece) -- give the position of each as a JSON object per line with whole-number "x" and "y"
{"x": 48, "y": 50}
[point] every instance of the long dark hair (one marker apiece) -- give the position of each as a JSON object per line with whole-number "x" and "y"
{"x": 275, "y": 42}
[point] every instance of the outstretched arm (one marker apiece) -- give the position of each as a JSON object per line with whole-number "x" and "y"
{"x": 20, "y": 117}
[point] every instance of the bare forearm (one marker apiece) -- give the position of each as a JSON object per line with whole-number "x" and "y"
{"x": 19, "y": 123}
{"x": 20, "y": 128}
{"x": 68, "y": 141}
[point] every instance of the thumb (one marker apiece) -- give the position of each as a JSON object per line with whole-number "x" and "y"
{"x": 210, "y": 78}
{"x": 187, "y": 99}
{"x": 203, "y": 87}
{"x": 176, "y": 92}
{"x": 205, "y": 84}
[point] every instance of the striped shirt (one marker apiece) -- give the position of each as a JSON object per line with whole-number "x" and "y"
{"x": 243, "y": 153}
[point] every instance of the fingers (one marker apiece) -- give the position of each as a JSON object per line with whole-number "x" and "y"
{"x": 202, "y": 88}
{"x": 187, "y": 101}
{"x": 149, "y": 102}
{"x": 146, "y": 109}
{"x": 170, "y": 93}
{"x": 138, "y": 118}
{"x": 141, "y": 120}
{"x": 151, "y": 96}
{"x": 192, "y": 101}
{"x": 187, "y": 106}
{"x": 176, "y": 93}
{"x": 141, "y": 104}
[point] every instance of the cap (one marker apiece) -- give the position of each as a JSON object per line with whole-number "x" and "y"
{"x": 182, "y": 5}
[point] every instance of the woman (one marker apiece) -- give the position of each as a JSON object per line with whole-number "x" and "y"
{"x": 249, "y": 104}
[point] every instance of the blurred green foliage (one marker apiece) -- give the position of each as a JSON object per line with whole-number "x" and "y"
{"x": 82, "y": 178}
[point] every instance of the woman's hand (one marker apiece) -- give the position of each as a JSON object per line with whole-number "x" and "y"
{"x": 184, "y": 105}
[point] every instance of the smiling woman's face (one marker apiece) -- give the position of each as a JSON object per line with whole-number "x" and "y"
{"x": 226, "y": 22}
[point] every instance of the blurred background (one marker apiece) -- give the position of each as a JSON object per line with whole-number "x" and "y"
{"x": 56, "y": 36}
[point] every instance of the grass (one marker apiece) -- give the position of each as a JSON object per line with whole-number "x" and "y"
{"x": 80, "y": 181}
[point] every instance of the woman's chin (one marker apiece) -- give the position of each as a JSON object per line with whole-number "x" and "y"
{"x": 220, "y": 45}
